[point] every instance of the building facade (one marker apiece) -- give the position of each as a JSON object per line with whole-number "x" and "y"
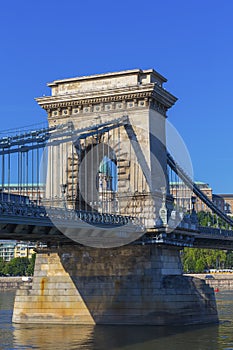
{"x": 24, "y": 250}
{"x": 24, "y": 193}
{"x": 228, "y": 203}
{"x": 183, "y": 197}
{"x": 14, "y": 249}
{"x": 7, "y": 249}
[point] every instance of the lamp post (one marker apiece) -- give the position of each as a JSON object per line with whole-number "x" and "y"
{"x": 194, "y": 218}
{"x": 163, "y": 209}
{"x": 63, "y": 191}
{"x": 193, "y": 201}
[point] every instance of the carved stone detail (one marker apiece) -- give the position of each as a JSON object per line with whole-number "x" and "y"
{"x": 141, "y": 99}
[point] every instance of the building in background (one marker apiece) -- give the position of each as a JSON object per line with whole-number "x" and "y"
{"x": 183, "y": 196}
{"x": 24, "y": 250}
{"x": 17, "y": 249}
{"x": 34, "y": 192}
{"x": 207, "y": 190}
{"x": 219, "y": 202}
{"x": 228, "y": 200}
{"x": 7, "y": 250}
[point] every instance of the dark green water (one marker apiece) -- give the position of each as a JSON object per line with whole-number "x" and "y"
{"x": 117, "y": 337}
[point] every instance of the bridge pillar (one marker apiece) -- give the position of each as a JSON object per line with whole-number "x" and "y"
{"x": 138, "y": 148}
{"x": 133, "y": 284}
{"x": 125, "y": 285}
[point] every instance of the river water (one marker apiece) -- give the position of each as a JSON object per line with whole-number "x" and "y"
{"x": 46, "y": 337}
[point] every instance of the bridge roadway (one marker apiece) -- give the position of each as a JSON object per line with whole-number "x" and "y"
{"x": 34, "y": 223}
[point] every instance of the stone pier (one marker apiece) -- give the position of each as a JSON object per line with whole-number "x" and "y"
{"x": 133, "y": 284}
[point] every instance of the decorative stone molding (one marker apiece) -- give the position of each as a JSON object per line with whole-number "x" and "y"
{"x": 89, "y": 106}
{"x": 135, "y": 89}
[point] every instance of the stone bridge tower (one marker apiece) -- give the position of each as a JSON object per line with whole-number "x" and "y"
{"x": 139, "y": 150}
{"x": 132, "y": 283}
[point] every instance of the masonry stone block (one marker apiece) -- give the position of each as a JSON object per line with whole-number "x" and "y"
{"x": 110, "y": 288}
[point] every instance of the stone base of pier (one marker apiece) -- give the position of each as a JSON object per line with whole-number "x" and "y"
{"x": 133, "y": 284}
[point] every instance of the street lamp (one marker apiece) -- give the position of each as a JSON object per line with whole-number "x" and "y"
{"x": 193, "y": 200}
{"x": 194, "y": 218}
{"x": 63, "y": 191}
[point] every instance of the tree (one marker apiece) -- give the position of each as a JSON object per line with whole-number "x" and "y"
{"x": 189, "y": 264}
{"x": 208, "y": 219}
{"x": 17, "y": 267}
{"x": 199, "y": 260}
{"x": 2, "y": 266}
{"x": 229, "y": 260}
{"x": 200, "y": 265}
{"x": 31, "y": 265}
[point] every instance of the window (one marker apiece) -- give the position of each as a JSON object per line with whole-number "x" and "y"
{"x": 107, "y": 175}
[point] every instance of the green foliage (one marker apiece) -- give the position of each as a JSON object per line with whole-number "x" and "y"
{"x": 18, "y": 266}
{"x": 208, "y": 219}
{"x": 31, "y": 265}
{"x": 196, "y": 260}
{"x": 200, "y": 265}
{"x": 229, "y": 260}
{"x": 2, "y": 265}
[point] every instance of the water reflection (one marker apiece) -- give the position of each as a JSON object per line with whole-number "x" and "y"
{"x": 25, "y": 336}
{"x": 159, "y": 338}
{"x": 6, "y": 327}
{"x": 53, "y": 337}
{"x": 115, "y": 337}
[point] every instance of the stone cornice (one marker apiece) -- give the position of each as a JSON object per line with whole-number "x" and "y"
{"x": 150, "y": 91}
{"x": 163, "y": 97}
{"x": 108, "y": 75}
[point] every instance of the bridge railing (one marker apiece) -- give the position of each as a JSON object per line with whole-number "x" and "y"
{"x": 10, "y": 209}
{"x": 218, "y": 232}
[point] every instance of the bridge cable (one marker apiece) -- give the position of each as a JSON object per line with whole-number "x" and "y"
{"x": 180, "y": 172}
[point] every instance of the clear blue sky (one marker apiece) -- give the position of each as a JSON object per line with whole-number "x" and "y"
{"x": 189, "y": 42}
